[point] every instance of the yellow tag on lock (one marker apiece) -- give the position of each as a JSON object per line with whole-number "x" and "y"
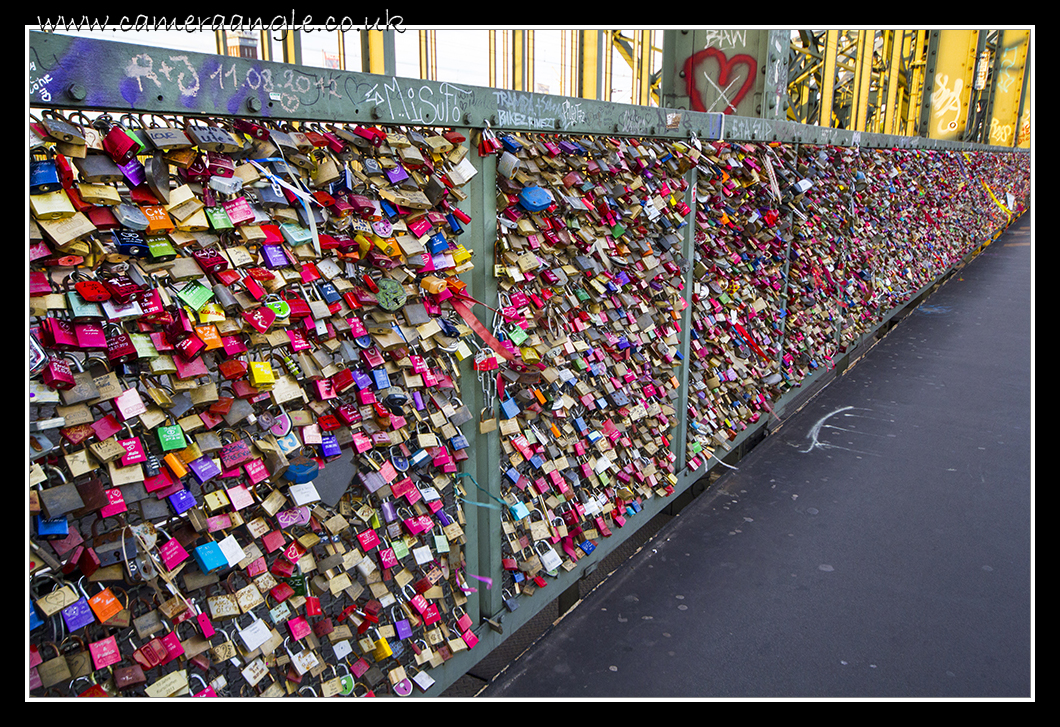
{"x": 461, "y": 254}
{"x": 261, "y": 375}
{"x": 364, "y": 242}
{"x": 382, "y": 650}
{"x": 387, "y": 245}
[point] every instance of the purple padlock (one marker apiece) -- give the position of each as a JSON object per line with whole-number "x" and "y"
{"x": 389, "y": 511}
{"x": 78, "y": 615}
{"x": 397, "y": 174}
{"x": 294, "y": 516}
{"x": 274, "y": 256}
{"x": 181, "y": 501}
{"x": 402, "y": 628}
{"x": 329, "y": 446}
{"x": 204, "y": 469}
{"x": 134, "y": 173}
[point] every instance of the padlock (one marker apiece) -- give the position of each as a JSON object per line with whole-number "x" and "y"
{"x": 79, "y": 614}
{"x": 302, "y": 468}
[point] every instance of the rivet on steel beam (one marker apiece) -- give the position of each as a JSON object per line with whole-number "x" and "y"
{"x": 375, "y": 112}
{"x": 254, "y": 103}
{"x": 77, "y": 92}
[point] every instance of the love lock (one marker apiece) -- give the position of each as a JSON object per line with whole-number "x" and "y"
{"x": 301, "y": 469}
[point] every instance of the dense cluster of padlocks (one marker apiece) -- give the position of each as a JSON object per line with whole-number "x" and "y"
{"x": 801, "y": 250}
{"x": 591, "y": 277}
{"x": 246, "y": 406}
{"x": 246, "y": 413}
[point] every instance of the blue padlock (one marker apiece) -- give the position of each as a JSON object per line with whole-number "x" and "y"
{"x": 210, "y": 558}
{"x": 301, "y": 469}
{"x": 511, "y": 144}
{"x": 35, "y": 621}
{"x": 131, "y": 242}
{"x": 510, "y": 408}
{"x": 587, "y": 547}
{"x": 419, "y": 458}
{"x": 437, "y": 244}
{"x": 329, "y": 293}
{"x": 399, "y": 460}
{"x": 459, "y": 442}
{"x": 448, "y": 329}
{"x": 535, "y": 199}
{"x": 58, "y": 527}
{"x": 454, "y": 224}
{"x": 381, "y": 379}
{"x": 43, "y": 175}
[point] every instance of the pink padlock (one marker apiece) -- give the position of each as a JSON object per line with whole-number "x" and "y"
{"x": 172, "y": 554}
{"x": 134, "y": 451}
{"x": 129, "y": 404}
{"x": 298, "y": 627}
{"x": 105, "y": 652}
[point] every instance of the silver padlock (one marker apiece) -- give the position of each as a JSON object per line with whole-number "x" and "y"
{"x": 549, "y": 559}
{"x": 226, "y": 185}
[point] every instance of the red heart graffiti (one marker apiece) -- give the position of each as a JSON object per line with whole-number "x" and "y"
{"x": 725, "y": 68}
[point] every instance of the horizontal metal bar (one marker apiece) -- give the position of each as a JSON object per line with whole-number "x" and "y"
{"x": 68, "y": 72}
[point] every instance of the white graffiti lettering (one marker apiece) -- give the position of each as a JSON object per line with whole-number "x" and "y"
{"x": 945, "y": 101}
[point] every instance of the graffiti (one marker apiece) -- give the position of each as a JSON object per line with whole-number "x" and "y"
{"x": 537, "y": 110}
{"x": 1025, "y": 130}
{"x": 631, "y": 122}
{"x": 944, "y": 101}
{"x": 1008, "y": 69}
{"x": 1000, "y": 133}
{"x": 415, "y": 105}
{"x": 39, "y": 85}
{"x": 725, "y": 38}
{"x": 746, "y": 129}
{"x": 727, "y": 75}
{"x": 571, "y": 113}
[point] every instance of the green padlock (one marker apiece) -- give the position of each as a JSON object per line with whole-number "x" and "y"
{"x": 298, "y": 583}
{"x": 161, "y": 250}
{"x": 195, "y": 295}
{"x": 295, "y": 234}
{"x": 278, "y": 306}
{"x": 145, "y": 348}
{"x": 171, "y": 437}
{"x": 218, "y": 218}
{"x": 518, "y": 335}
